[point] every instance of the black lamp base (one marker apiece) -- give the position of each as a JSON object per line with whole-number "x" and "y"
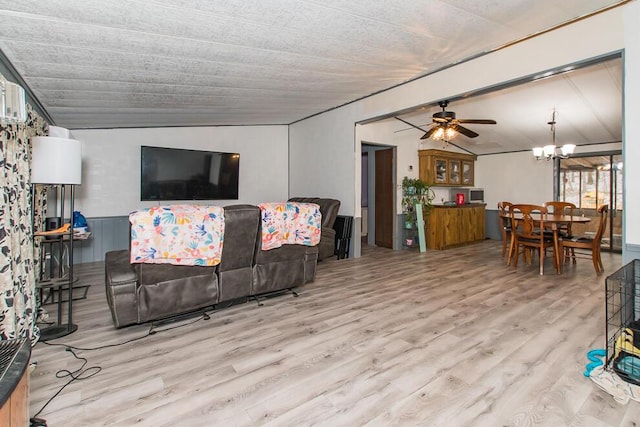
{"x": 59, "y": 331}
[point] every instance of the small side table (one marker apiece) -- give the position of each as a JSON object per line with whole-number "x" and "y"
{"x": 60, "y": 283}
{"x": 54, "y": 281}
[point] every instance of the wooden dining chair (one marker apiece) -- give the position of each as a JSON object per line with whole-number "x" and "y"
{"x": 564, "y": 229}
{"x": 588, "y": 243}
{"x": 562, "y": 208}
{"x": 504, "y": 223}
{"x": 527, "y": 223}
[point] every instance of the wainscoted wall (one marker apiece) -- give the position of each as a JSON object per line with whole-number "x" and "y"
{"x": 631, "y": 252}
{"x": 491, "y": 227}
{"x": 107, "y": 234}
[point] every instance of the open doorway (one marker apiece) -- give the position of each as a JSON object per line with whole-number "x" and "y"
{"x": 592, "y": 180}
{"x": 378, "y": 196}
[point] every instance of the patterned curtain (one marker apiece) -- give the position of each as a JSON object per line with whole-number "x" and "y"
{"x": 17, "y": 267}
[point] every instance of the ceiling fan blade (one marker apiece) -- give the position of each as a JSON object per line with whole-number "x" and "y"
{"x": 429, "y": 132}
{"x": 463, "y": 130}
{"x": 478, "y": 121}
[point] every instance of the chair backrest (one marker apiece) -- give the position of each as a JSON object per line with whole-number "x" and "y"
{"x": 564, "y": 208}
{"x": 528, "y": 226}
{"x": 603, "y": 210}
{"x": 561, "y": 207}
{"x": 503, "y": 215}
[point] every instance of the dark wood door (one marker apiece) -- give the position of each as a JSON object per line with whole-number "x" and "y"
{"x": 384, "y": 198}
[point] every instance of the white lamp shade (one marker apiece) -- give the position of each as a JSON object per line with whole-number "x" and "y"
{"x": 59, "y": 132}
{"x": 568, "y": 149}
{"x": 56, "y": 160}
{"x": 549, "y": 150}
{"x": 537, "y": 151}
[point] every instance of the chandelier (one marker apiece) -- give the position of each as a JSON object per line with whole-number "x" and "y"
{"x": 551, "y": 151}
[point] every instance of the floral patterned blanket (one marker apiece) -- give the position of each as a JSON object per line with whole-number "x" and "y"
{"x": 177, "y": 234}
{"x": 290, "y": 223}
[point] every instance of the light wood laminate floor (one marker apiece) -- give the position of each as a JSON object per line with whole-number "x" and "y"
{"x": 444, "y": 338}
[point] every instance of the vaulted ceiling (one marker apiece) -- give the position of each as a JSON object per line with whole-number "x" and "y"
{"x": 139, "y": 63}
{"x": 587, "y": 103}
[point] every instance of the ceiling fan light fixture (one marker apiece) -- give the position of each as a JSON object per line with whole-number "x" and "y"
{"x": 444, "y": 133}
{"x": 450, "y": 133}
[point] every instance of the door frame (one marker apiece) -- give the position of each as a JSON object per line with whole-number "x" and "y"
{"x": 610, "y": 218}
{"x": 370, "y": 147}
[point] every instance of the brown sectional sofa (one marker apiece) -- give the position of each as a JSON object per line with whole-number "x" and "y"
{"x": 138, "y": 293}
{"x": 329, "y": 209}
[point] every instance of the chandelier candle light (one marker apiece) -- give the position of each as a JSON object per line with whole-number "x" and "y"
{"x": 550, "y": 151}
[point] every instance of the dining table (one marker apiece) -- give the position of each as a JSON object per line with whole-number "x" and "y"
{"x": 553, "y": 221}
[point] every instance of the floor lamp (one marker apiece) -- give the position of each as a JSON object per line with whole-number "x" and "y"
{"x": 57, "y": 161}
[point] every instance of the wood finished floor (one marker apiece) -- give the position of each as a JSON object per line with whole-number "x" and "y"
{"x": 444, "y": 338}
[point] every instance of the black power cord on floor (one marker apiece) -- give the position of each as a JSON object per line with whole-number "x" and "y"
{"x": 79, "y": 374}
{"x": 152, "y": 330}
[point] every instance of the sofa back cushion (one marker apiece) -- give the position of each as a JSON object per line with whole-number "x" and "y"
{"x": 328, "y": 208}
{"x": 242, "y": 223}
{"x": 188, "y": 235}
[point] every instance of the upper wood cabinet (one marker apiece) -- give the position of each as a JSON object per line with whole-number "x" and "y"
{"x": 446, "y": 168}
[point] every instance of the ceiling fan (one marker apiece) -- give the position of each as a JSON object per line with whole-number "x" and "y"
{"x": 446, "y": 125}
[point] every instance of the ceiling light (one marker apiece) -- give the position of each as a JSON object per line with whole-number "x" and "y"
{"x": 550, "y": 151}
{"x": 444, "y": 133}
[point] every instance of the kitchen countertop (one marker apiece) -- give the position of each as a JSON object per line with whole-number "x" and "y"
{"x": 466, "y": 205}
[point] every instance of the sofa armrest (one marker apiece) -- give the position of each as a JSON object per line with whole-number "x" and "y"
{"x": 328, "y": 233}
{"x": 121, "y": 285}
{"x": 327, "y": 245}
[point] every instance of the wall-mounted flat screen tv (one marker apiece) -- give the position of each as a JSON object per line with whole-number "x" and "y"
{"x": 178, "y": 174}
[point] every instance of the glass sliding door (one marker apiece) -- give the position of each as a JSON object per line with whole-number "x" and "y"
{"x": 590, "y": 181}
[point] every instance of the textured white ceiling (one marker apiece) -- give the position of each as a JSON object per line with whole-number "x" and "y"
{"x": 135, "y": 63}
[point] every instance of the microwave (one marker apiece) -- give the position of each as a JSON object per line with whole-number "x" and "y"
{"x": 476, "y": 195}
{"x": 471, "y": 195}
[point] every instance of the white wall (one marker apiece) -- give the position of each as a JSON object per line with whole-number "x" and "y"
{"x": 332, "y": 132}
{"x": 111, "y": 163}
{"x": 520, "y": 178}
{"x": 323, "y": 159}
{"x": 515, "y": 177}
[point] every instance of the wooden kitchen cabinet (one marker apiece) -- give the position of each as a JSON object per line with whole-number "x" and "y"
{"x": 451, "y": 226}
{"x": 446, "y": 168}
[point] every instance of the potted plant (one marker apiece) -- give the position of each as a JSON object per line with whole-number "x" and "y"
{"x": 415, "y": 191}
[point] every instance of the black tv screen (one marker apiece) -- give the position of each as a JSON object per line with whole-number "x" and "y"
{"x": 177, "y": 174}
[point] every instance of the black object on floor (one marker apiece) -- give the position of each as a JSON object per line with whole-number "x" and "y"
{"x": 343, "y": 227}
